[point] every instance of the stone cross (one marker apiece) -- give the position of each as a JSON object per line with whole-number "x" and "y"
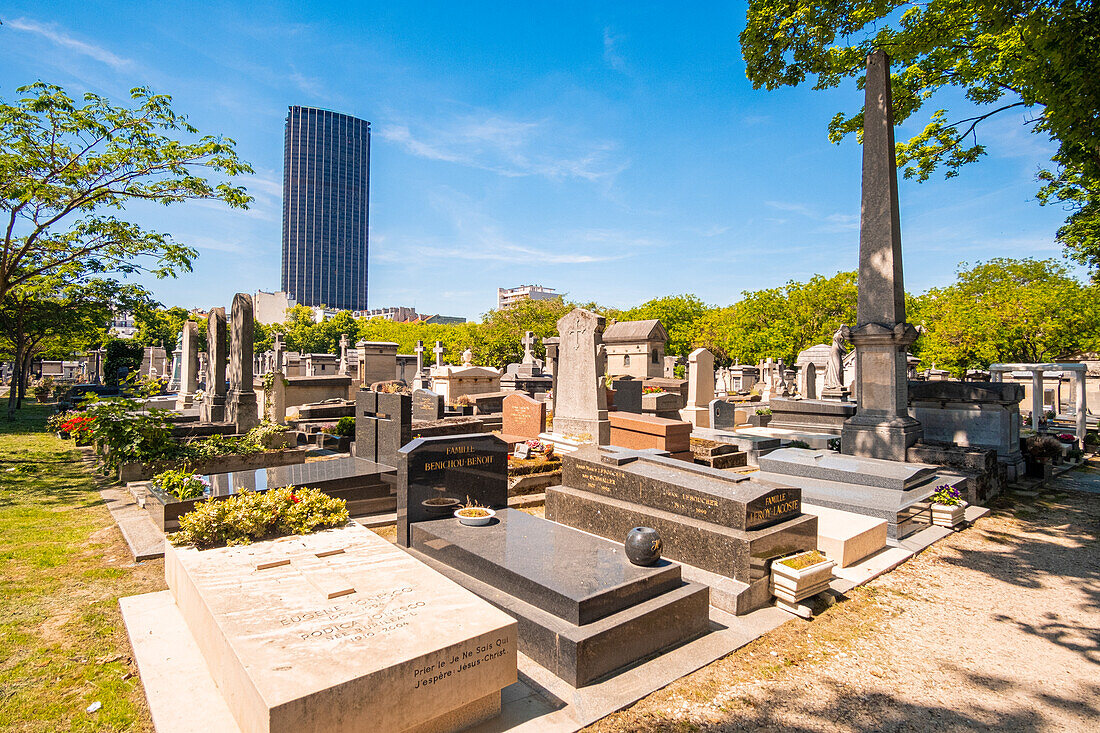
{"x": 280, "y": 349}
{"x": 344, "y": 364}
{"x": 528, "y": 342}
{"x": 881, "y": 426}
{"x": 419, "y": 350}
{"x": 438, "y": 351}
{"x": 241, "y": 408}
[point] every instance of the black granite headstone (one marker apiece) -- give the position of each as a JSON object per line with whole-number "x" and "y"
{"x": 628, "y": 395}
{"x": 472, "y": 467}
{"x": 427, "y": 405}
{"x": 383, "y": 423}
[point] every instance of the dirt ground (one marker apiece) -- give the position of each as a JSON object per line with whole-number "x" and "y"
{"x": 994, "y": 628}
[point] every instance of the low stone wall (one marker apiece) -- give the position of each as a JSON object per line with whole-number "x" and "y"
{"x": 818, "y": 416}
{"x": 137, "y": 471}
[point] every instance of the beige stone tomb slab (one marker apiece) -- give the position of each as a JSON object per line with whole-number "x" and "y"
{"x": 341, "y": 631}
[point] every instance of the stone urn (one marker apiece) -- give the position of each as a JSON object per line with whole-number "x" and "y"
{"x": 800, "y": 576}
{"x": 643, "y": 546}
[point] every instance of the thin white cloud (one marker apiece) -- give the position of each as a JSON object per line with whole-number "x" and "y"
{"x": 611, "y": 56}
{"x": 835, "y": 222}
{"x": 60, "y": 38}
{"x": 507, "y": 147}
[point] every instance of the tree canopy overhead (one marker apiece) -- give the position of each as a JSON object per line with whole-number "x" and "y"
{"x": 1037, "y": 57}
{"x": 64, "y": 167}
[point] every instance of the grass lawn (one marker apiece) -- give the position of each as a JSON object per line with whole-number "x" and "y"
{"x": 63, "y": 567}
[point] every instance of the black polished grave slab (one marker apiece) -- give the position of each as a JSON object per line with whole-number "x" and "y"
{"x": 359, "y": 482}
{"x": 490, "y": 564}
{"x": 467, "y": 468}
{"x": 572, "y": 574}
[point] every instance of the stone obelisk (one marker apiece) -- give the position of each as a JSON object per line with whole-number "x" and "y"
{"x": 881, "y": 426}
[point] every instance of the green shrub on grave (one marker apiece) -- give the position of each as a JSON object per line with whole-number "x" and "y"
{"x": 345, "y": 427}
{"x": 250, "y": 517}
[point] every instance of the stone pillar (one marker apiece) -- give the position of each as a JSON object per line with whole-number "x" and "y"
{"x": 1082, "y": 407}
{"x": 700, "y": 388}
{"x": 177, "y": 368}
{"x": 881, "y": 426}
{"x": 580, "y": 397}
{"x": 189, "y": 365}
{"x": 996, "y": 375}
{"x": 1036, "y": 398}
{"x": 345, "y": 366}
{"x": 241, "y": 408}
{"x": 213, "y": 406}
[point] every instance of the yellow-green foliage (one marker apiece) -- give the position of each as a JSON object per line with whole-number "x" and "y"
{"x": 250, "y": 516}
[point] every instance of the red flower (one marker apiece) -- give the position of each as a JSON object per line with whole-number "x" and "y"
{"x": 294, "y": 498}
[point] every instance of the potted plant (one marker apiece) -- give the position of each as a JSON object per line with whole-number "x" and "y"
{"x": 1039, "y": 453}
{"x": 473, "y": 515}
{"x": 800, "y": 576}
{"x": 948, "y": 507}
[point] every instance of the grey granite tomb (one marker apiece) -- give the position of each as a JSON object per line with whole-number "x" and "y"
{"x": 727, "y": 527}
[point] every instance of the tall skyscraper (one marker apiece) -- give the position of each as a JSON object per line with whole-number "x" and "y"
{"x": 326, "y": 186}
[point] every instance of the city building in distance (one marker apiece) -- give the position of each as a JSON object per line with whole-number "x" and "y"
{"x": 511, "y": 296}
{"x": 326, "y": 187}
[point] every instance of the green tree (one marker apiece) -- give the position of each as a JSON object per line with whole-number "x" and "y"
{"x": 679, "y": 315}
{"x": 160, "y": 326}
{"x": 48, "y": 315}
{"x": 1037, "y": 57}
{"x": 1006, "y": 310}
{"x": 779, "y": 322}
{"x": 64, "y": 166}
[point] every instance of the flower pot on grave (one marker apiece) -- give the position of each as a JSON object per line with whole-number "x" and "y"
{"x": 948, "y": 515}
{"x": 793, "y": 584}
{"x": 441, "y": 506}
{"x": 475, "y": 516}
{"x": 62, "y": 435}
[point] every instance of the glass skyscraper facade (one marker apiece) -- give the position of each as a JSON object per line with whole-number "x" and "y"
{"x": 326, "y": 187}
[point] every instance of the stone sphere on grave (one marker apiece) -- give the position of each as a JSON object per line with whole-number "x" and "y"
{"x": 643, "y": 546}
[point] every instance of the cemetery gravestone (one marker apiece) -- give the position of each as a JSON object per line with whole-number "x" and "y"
{"x": 340, "y": 631}
{"x": 580, "y": 399}
{"x": 464, "y": 468}
{"x": 241, "y": 404}
{"x": 726, "y": 524}
{"x": 427, "y": 405}
{"x": 523, "y": 417}
{"x": 213, "y": 408}
{"x": 723, "y": 415}
{"x": 628, "y": 395}
{"x": 189, "y": 365}
{"x": 383, "y": 423}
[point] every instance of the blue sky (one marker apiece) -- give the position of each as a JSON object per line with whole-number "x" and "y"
{"x": 613, "y": 151}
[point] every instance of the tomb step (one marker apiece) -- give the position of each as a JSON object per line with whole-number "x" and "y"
{"x": 574, "y": 575}
{"x": 581, "y": 655}
{"x": 847, "y": 537}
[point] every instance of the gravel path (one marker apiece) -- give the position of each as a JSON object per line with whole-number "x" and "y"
{"x": 994, "y": 628}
